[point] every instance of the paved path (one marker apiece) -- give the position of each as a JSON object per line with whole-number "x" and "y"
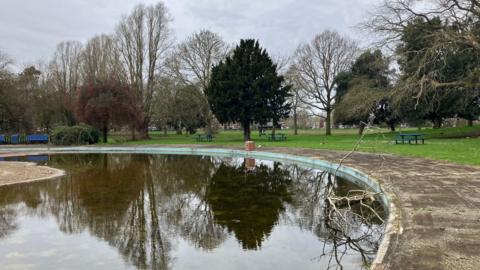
{"x": 437, "y": 225}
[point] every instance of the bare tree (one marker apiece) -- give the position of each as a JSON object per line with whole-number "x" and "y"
{"x": 143, "y": 38}
{"x": 193, "y": 59}
{"x": 283, "y": 63}
{"x": 5, "y": 61}
{"x": 317, "y": 64}
{"x": 101, "y": 61}
{"x": 65, "y": 74}
{"x": 390, "y": 19}
{"x": 297, "y": 95}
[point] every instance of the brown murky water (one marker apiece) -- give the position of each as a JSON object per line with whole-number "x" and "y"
{"x": 125, "y": 211}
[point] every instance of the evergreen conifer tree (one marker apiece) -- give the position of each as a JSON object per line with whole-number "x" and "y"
{"x": 246, "y": 88}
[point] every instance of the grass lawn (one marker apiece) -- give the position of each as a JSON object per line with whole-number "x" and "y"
{"x": 459, "y": 145}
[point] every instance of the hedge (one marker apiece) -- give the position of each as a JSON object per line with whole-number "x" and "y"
{"x": 75, "y": 135}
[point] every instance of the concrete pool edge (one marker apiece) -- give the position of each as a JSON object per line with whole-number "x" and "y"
{"x": 351, "y": 174}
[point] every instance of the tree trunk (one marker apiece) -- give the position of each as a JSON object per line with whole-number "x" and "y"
{"x": 144, "y": 133}
{"x": 143, "y": 129}
{"x": 328, "y": 124}
{"x": 295, "y": 122}
{"x": 470, "y": 123}
{"x": 105, "y": 134}
{"x": 209, "y": 124}
{"x": 70, "y": 118}
{"x": 392, "y": 126}
{"x": 273, "y": 128}
{"x": 133, "y": 133}
{"x": 246, "y": 131}
{"x": 361, "y": 128}
{"x": 437, "y": 122}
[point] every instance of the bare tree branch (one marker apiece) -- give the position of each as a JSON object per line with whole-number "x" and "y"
{"x": 143, "y": 38}
{"x": 317, "y": 64}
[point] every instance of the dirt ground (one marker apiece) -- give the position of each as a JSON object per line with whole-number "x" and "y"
{"x": 22, "y": 172}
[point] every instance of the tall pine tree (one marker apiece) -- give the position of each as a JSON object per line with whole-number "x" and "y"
{"x": 246, "y": 88}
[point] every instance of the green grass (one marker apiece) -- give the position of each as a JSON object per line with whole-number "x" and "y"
{"x": 458, "y": 145}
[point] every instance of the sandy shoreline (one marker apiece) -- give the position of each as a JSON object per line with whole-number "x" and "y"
{"x": 23, "y": 172}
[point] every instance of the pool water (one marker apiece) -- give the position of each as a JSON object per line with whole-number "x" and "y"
{"x": 135, "y": 211}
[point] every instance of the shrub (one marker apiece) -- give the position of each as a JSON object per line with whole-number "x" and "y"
{"x": 75, "y": 135}
{"x": 93, "y": 132}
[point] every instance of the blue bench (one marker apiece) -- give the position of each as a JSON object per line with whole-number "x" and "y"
{"x": 15, "y": 139}
{"x": 18, "y": 139}
{"x": 37, "y": 138}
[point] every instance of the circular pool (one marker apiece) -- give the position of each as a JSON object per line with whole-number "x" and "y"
{"x": 162, "y": 211}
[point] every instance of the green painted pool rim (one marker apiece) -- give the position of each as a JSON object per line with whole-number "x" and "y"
{"x": 355, "y": 176}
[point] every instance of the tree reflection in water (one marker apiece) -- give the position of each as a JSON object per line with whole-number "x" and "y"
{"x": 248, "y": 202}
{"x": 344, "y": 227}
{"x": 142, "y": 204}
{"x": 8, "y": 222}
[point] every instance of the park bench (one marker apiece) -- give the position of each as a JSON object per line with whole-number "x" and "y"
{"x": 15, "y": 139}
{"x": 204, "y": 138}
{"x": 37, "y": 138}
{"x": 277, "y": 137}
{"x": 410, "y": 138}
{"x": 19, "y": 139}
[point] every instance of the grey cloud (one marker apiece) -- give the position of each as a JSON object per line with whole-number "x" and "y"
{"x": 30, "y": 29}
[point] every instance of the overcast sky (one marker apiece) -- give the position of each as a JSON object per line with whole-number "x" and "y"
{"x": 30, "y": 29}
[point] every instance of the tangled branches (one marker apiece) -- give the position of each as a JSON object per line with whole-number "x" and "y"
{"x": 354, "y": 219}
{"x": 355, "y": 223}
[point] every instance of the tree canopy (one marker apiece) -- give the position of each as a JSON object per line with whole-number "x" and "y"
{"x": 364, "y": 90}
{"x": 105, "y": 104}
{"x": 180, "y": 106}
{"x": 246, "y": 88}
{"x": 418, "y": 66}
{"x": 426, "y": 69}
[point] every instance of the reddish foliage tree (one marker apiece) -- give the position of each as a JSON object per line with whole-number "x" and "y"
{"x": 106, "y": 104}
